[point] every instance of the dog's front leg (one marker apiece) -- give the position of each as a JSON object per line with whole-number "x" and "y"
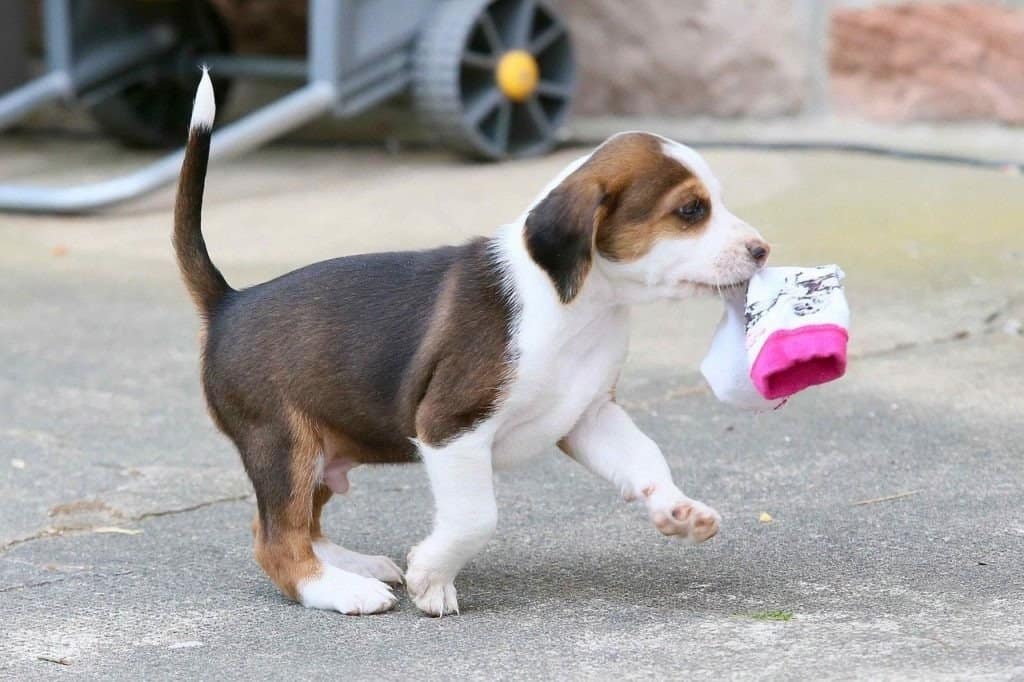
{"x": 608, "y": 443}
{"x": 466, "y": 514}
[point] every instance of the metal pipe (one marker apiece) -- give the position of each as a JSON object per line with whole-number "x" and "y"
{"x": 326, "y": 24}
{"x": 20, "y": 101}
{"x": 359, "y": 102}
{"x": 61, "y": 83}
{"x": 57, "y": 35}
{"x": 255, "y": 67}
{"x": 121, "y": 55}
{"x": 247, "y": 133}
{"x": 373, "y": 73}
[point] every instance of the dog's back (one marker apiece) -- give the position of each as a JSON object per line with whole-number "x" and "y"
{"x": 333, "y": 340}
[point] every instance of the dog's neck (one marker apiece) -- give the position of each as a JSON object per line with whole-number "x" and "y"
{"x": 534, "y": 294}
{"x": 604, "y": 287}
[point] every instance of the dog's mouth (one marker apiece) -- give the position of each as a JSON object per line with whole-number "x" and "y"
{"x": 717, "y": 288}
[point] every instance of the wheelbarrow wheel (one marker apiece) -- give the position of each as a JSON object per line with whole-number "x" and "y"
{"x": 150, "y": 105}
{"x": 494, "y": 79}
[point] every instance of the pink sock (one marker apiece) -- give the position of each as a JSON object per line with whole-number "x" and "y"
{"x": 788, "y": 333}
{"x": 796, "y": 329}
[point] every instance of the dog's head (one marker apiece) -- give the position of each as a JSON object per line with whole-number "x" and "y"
{"x": 648, "y": 213}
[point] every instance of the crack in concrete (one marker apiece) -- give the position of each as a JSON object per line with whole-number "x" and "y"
{"x": 62, "y": 531}
{"x": 192, "y": 508}
{"x": 955, "y": 337}
{"x": 912, "y": 345}
{"x": 43, "y": 583}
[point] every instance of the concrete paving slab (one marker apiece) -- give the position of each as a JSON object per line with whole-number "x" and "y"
{"x": 578, "y": 585}
{"x": 124, "y": 542}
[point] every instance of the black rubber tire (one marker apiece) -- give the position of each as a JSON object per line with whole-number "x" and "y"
{"x": 453, "y": 80}
{"x": 150, "y": 107}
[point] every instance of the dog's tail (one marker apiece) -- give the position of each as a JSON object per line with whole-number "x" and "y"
{"x": 204, "y": 281}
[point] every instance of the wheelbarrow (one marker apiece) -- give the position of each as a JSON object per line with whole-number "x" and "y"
{"x": 493, "y": 79}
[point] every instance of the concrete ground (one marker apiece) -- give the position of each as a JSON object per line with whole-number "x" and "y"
{"x": 896, "y": 542}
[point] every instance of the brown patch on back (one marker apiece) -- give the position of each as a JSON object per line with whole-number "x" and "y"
{"x": 462, "y": 367}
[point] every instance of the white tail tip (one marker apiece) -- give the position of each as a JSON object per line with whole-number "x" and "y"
{"x": 204, "y": 108}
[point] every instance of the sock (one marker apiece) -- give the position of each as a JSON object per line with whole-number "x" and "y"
{"x": 797, "y": 321}
{"x": 787, "y": 333}
{"x": 725, "y": 367}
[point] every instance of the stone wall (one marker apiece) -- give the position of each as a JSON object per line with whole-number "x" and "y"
{"x": 928, "y": 61}
{"x": 692, "y": 57}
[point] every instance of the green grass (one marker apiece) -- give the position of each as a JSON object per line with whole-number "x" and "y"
{"x": 772, "y": 615}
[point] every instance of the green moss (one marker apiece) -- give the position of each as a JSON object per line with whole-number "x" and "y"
{"x": 772, "y": 615}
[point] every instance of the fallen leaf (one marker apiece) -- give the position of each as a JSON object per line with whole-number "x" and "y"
{"x": 772, "y": 615}
{"x": 765, "y": 517}
{"x": 58, "y": 251}
{"x": 83, "y": 506}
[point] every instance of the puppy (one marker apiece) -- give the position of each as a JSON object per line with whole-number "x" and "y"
{"x": 464, "y": 358}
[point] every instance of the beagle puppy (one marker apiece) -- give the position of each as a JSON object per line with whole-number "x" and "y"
{"x": 465, "y": 358}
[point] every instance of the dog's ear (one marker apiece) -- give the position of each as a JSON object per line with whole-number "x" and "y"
{"x": 560, "y": 233}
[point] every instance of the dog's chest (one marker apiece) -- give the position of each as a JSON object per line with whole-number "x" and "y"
{"x": 553, "y": 386}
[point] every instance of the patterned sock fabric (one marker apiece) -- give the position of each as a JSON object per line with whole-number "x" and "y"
{"x": 788, "y": 334}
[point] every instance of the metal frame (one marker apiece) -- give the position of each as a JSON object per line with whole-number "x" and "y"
{"x": 340, "y": 80}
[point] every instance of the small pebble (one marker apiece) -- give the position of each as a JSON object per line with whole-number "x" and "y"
{"x": 18, "y": 463}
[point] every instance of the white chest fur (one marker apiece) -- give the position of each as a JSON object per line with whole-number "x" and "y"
{"x": 566, "y": 357}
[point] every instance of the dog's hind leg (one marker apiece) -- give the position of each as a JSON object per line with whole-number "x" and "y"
{"x": 379, "y": 567}
{"x": 283, "y": 464}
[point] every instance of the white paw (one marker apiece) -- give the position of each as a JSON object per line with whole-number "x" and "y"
{"x": 345, "y": 592}
{"x": 379, "y": 567}
{"x": 431, "y": 593}
{"x": 682, "y": 517}
{"x": 433, "y": 598}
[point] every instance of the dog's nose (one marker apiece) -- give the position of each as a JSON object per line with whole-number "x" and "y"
{"x": 759, "y": 251}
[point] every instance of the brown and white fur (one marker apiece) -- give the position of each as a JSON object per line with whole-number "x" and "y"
{"x": 465, "y": 358}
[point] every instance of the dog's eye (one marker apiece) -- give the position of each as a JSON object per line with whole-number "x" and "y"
{"x": 693, "y": 212}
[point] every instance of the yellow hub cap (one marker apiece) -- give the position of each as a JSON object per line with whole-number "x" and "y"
{"x": 517, "y": 74}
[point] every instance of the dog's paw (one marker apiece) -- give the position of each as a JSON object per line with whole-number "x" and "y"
{"x": 687, "y": 519}
{"x": 379, "y": 567}
{"x": 345, "y": 592}
{"x": 431, "y": 593}
{"x": 432, "y": 598}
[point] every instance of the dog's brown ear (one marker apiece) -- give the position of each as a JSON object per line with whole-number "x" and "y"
{"x": 560, "y": 233}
